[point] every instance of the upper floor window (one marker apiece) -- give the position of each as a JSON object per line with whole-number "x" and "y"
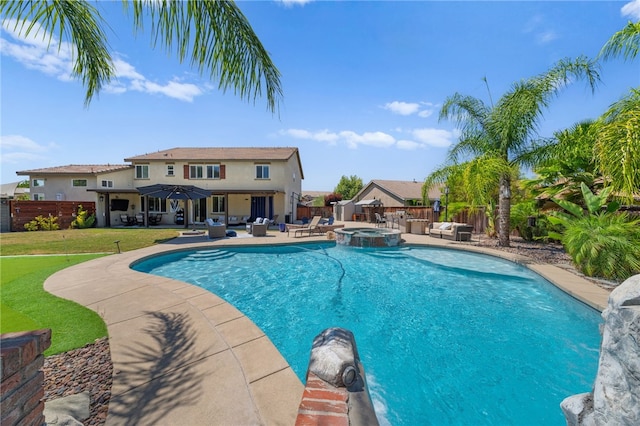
{"x": 79, "y": 182}
{"x": 170, "y": 170}
{"x": 262, "y": 171}
{"x": 37, "y": 182}
{"x": 198, "y": 171}
{"x": 106, "y": 183}
{"x": 142, "y": 171}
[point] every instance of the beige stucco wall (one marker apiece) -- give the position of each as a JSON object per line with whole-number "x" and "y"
{"x": 376, "y": 193}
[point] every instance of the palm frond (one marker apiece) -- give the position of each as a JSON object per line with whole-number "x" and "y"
{"x": 216, "y": 38}
{"x": 76, "y": 21}
{"x": 625, "y": 42}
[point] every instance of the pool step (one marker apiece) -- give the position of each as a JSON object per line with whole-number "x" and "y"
{"x": 210, "y": 255}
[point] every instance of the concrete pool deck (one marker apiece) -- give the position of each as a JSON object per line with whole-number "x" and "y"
{"x": 182, "y": 355}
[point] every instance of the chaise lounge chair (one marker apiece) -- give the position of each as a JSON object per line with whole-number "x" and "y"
{"x": 310, "y": 228}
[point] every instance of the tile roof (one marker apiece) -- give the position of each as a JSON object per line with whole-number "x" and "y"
{"x": 406, "y": 189}
{"x": 76, "y": 169}
{"x": 211, "y": 153}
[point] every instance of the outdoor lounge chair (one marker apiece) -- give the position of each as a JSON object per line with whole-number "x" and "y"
{"x": 310, "y": 228}
{"x": 380, "y": 221}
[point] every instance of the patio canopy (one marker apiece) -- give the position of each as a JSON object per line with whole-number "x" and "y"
{"x": 174, "y": 192}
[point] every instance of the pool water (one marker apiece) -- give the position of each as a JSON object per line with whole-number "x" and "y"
{"x": 445, "y": 337}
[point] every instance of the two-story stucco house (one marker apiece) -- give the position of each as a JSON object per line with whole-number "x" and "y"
{"x": 244, "y": 182}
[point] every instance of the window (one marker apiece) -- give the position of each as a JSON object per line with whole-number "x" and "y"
{"x": 170, "y": 170}
{"x": 142, "y": 171}
{"x": 37, "y": 182}
{"x": 213, "y": 172}
{"x": 262, "y": 171}
{"x": 218, "y": 204}
{"x": 195, "y": 172}
{"x": 198, "y": 171}
{"x": 156, "y": 205}
{"x": 38, "y": 197}
{"x": 79, "y": 182}
{"x": 106, "y": 183}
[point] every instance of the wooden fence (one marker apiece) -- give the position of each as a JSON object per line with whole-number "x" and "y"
{"x": 478, "y": 218}
{"x": 23, "y": 212}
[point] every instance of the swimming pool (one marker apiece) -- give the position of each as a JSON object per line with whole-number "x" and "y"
{"x": 445, "y": 337}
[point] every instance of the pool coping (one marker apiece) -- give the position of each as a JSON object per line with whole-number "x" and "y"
{"x": 183, "y": 355}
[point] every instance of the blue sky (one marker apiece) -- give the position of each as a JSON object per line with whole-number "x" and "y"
{"x": 363, "y": 83}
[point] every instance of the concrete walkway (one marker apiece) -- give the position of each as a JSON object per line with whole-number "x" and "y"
{"x": 182, "y": 355}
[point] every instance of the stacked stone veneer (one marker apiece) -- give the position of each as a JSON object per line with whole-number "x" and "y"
{"x": 22, "y": 386}
{"x": 615, "y": 399}
{"x": 336, "y": 391}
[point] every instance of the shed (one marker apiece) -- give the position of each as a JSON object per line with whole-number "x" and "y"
{"x": 343, "y": 210}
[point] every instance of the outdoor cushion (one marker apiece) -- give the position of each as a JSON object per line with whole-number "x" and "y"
{"x": 445, "y": 226}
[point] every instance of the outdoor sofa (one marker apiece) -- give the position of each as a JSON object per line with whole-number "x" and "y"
{"x": 451, "y": 231}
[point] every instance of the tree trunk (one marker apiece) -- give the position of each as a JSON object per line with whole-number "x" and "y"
{"x": 504, "y": 211}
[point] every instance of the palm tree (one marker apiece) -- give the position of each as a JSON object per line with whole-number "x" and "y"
{"x": 215, "y": 36}
{"x": 625, "y": 42}
{"x": 617, "y": 146}
{"x": 505, "y": 133}
{"x": 566, "y": 163}
{"x": 617, "y": 152}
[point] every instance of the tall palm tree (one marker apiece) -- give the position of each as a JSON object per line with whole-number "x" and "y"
{"x": 503, "y": 134}
{"x": 625, "y": 42}
{"x": 214, "y": 35}
{"x": 617, "y": 146}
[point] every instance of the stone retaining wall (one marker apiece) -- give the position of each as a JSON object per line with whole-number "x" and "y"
{"x": 22, "y": 386}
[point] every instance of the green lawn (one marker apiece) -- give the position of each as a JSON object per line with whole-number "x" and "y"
{"x": 25, "y": 305}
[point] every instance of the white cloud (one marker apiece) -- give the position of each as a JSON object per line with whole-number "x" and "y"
{"x": 17, "y": 148}
{"x": 321, "y": 136}
{"x": 536, "y": 25}
{"x": 402, "y": 108}
{"x": 421, "y": 138}
{"x": 422, "y": 109}
{"x": 377, "y": 139}
{"x": 434, "y": 137}
{"x": 56, "y": 59}
{"x": 631, "y": 9}
{"x": 545, "y": 37}
{"x": 291, "y": 3}
{"x": 348, "y": 137}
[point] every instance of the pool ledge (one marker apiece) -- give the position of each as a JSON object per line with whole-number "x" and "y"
{"x": 182, "y": 355}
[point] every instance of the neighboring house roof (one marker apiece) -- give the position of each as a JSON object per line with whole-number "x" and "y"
{"x": 402, "y": 189}
{"x": 315, "y": 194}
{"x": 220, "y": 154}
{"x": 73, "y": 169}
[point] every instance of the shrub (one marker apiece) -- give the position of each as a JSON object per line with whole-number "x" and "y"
{"x": 83, "y": 219}
{"x": 41, "y": 223}
{"x": 601, "y": 242}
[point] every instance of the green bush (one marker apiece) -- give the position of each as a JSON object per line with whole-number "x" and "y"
{"x": 602, "y": 242}
{"x": 83, "y": 219}
{"x": 41, "y": 223}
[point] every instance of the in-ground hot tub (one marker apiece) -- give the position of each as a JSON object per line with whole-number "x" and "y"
{"x": 368, "y": 237}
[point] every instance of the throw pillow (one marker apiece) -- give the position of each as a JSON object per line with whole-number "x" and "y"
{"x": 445, "y": 226}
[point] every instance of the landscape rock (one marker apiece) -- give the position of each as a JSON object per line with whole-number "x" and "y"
{"x": 616, "y": 392}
